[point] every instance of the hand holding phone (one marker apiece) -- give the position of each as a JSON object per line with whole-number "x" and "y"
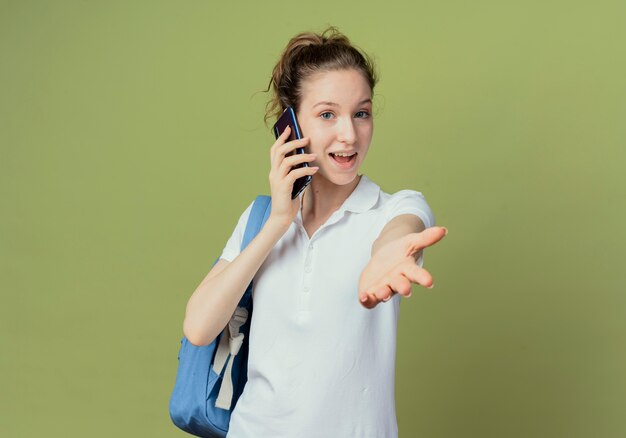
{"x": 288, "y": 118}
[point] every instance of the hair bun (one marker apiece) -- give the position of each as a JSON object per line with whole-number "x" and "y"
{"x": 306, "y": 54}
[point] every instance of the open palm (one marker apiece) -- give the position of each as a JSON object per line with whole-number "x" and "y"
{"x": 392, "y": 268}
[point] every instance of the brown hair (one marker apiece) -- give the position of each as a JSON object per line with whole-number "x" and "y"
{"x": 308, "y": 53}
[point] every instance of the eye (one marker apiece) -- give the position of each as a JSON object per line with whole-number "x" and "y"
{"x": 326, "y": 114}
{"x": 362, "y": 114}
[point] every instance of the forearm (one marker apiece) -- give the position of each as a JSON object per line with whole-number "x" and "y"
{"x": 397, "y": 228}
{"x": 212, "y": 304}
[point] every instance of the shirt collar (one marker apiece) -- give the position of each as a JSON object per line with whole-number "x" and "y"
{"x": 363, "y": 197}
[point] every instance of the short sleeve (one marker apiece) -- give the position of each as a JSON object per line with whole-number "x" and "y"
{"x": 233, "y": 245}
{"x": 410, "y": 202}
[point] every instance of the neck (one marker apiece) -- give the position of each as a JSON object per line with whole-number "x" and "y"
{"x": 322, "y": 197}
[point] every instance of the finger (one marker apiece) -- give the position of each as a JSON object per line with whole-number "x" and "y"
{"x": 283, "y": 149}
{"x": 370, "y": 301}
{"x": 401, "y": 284}
{"x": 285, "y": 133}
{"x": 384, "y": 291}
{"x": 423, "y": 239}
{"x": 417, "y": 275}
{"x": 280, "y": 140}
{"x": 294, "y": 174}
{"x": 292, "y": 161}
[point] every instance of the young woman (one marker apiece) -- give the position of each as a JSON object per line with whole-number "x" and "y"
{"x": 329, "y": 267}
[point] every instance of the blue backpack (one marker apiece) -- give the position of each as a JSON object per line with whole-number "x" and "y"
{"x": 210, "y": 379}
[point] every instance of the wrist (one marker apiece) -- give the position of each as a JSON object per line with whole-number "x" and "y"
{"x": 278, "y": 223}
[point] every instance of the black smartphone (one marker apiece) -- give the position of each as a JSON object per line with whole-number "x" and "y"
{"x": 288, "y": 118}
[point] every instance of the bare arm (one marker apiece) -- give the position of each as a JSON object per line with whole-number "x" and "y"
{"x": 213, "y": 302}
{"x": 399, "y": 226}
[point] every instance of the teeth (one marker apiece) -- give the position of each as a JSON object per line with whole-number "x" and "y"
{"x": 344, "y": 155}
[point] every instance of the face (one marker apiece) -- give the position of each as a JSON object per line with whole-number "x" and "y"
{"x": 336, "y": 114}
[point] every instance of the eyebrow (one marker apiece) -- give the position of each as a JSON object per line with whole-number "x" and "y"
{"x": 335, "y": 104}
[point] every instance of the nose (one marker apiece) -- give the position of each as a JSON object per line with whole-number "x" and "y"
{"x": 346, "y": 132}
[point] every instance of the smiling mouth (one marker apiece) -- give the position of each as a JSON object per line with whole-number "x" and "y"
{"x": 344, "y": 162}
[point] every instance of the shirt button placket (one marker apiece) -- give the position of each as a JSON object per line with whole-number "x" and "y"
{"x": 307, "y": 278}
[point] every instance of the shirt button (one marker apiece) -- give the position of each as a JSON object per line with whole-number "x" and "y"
{"x": 306, "y": 288}
{"x": 307, "y": 269}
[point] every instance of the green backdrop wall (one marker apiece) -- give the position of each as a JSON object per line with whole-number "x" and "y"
{"x": 131, "y": 138}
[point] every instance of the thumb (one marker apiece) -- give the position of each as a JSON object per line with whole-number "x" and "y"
{"x": 423, "y": 239}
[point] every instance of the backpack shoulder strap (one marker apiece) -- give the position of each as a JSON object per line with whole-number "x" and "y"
{"x": 258, "y": 216}
{"x": 231, "y": 339}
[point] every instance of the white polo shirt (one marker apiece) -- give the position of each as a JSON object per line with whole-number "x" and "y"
{"x": 320, "y": 364}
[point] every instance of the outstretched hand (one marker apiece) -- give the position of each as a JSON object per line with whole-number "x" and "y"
{"x": 392, "y": 268}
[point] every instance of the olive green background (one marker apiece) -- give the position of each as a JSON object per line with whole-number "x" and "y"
{"x": 132, "y": 138}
